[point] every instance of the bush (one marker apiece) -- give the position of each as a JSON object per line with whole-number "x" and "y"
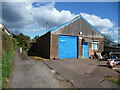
{"x": 7, "y": 42}
{"x": 14, "y": 43}
{"x": 23, "y": 41}
{"x": 8, "y": 50}
{"x": 7, "y": 65}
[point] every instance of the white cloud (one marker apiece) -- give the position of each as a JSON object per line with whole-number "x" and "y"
{"x": 98, "y": 22}
{"x": 21, "y": 15}
{"x": 32, "y": 30}
{"x": 50, "y": 14}
{"x": 25, "y": 16}
{"x": 104, "y": 25}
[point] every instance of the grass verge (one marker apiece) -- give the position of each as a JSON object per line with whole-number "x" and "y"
{"x": 7, "y": 66}
{"x": 114, "y": 80}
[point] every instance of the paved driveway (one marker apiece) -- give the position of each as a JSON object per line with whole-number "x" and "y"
{"x": 84, "y": 73}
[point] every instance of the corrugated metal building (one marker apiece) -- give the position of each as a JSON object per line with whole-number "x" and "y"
{"x": 74, "y": 39}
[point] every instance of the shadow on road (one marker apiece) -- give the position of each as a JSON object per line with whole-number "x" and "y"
{"x": 35, "y": 50}
{"x": 103, "y": 65}
{"x": 32, "y": 50}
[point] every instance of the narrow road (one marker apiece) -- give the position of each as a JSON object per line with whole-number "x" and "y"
{"x": 30, "y": 73}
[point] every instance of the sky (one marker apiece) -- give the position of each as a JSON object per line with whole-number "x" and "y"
{"x": 30, "y": 17}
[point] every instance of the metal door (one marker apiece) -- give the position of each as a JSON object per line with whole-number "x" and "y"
{"x": 67, "y": 47}
{"x": 85, "y": 49}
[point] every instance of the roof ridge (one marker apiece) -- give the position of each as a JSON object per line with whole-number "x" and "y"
{"x": 66, "y": 23}
{"x": 92, "y": 26}
{"x": 74, "y": 19}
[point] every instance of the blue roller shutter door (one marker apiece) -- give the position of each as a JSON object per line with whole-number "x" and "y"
{"x": 67, "y": 47}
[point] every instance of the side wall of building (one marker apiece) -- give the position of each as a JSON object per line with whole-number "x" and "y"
{"x": 100, "y": 46}
{"x": 43, "y": 46}
{"x": 76, "y": 27}
{"x": 54, "y": 46}
{"x": 48, "y": 43}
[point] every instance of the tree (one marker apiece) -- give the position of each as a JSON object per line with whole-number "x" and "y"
{"x": 35, "y": 38}
{"x": 107, "y": 40}
{"x": 23, "y": 41}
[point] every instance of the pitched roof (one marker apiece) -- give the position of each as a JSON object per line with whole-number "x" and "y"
{"x": 76, "y": 18}
{"x": 4, "y": 28}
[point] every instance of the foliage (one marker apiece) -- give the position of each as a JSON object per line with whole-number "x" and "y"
{"x": 35, "y": 38}
{"x": 7, "y": 42}
{"x": 7, "y": 65}
{"x": 114, "y": 80}
{"x": 107, "y": 43}
{"x": 23, "y": 41}
{"x": 14, "y": 43}
{"x": 8, "y": 49}
{"x": 108, "y": 40}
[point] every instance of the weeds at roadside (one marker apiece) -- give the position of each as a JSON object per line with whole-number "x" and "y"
{"x": 7, "y": 66}
{"x": 114, "y": 80}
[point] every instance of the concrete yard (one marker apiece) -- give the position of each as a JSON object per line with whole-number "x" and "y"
{"x": 84, "y": 73}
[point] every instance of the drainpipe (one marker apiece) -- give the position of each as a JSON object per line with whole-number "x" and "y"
{"x": 80, "y": 38}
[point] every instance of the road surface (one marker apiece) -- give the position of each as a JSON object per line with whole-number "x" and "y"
{"x": 30, "y": 73}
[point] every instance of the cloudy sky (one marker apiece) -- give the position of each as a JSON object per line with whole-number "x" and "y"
{"x": 30, "y": 17}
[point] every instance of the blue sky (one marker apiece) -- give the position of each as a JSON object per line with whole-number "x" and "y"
{"x": 30, "y": 17}
{"x": 103, "y": 9}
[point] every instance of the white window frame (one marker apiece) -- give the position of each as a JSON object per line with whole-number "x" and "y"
{"x": 97, "y": 42}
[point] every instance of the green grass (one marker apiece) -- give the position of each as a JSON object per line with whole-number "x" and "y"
{"x": 7, "y": 50}
{"x": 7, "y": 66}
{"x": 114, "y": 80}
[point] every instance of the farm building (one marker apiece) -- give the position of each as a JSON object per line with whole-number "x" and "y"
{"x": 74, "y": 39}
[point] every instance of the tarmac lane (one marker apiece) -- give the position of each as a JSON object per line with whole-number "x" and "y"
{"x": 30, "y": 73}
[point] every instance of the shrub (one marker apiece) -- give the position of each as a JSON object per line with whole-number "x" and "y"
{"x": 7, "y": 65}
{"x": 8, "y": 50}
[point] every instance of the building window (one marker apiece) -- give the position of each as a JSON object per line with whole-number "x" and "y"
{"x": 95, "y": 44}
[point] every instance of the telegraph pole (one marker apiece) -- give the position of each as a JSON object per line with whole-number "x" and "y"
{"x": 46, "y": 26}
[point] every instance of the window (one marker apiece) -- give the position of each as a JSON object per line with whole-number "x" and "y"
{"x": 95, "y": 45}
